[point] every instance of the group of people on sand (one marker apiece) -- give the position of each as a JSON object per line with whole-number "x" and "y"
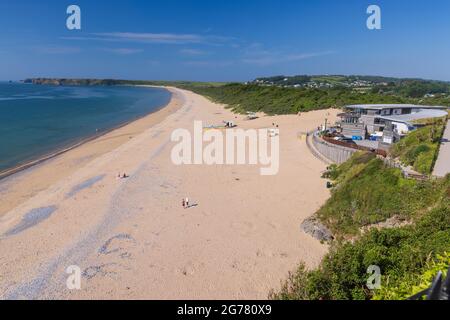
{"x": 122, "y": 176}
{"x": 185, "y": 203}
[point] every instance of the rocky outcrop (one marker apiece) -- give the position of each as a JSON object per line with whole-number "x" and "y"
{"x": 316, "y": 229}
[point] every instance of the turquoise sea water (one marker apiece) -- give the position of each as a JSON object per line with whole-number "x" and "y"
{"x": 37, "y": 120}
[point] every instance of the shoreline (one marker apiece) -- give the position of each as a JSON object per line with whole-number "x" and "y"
{"x": 62, "y": 150}
{"x": 67, "y": 160}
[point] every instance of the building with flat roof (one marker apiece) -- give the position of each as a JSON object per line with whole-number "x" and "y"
{"x": 391, "y": 106}
{"x": 385, "y": 123}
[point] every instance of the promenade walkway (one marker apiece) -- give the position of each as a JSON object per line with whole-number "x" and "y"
{"x": 442, "y": 167}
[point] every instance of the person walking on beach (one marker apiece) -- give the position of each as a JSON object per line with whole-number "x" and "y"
{"x": 187, "y": 203}
{"x": 183, "y": 202}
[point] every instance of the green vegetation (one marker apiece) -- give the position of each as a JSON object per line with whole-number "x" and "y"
{"x": 414, "y": 88}
{"x": 277, "y": 95}
{"x": 339, "y": 80}
{"x": 401, "y": 254}
{"x": 367, "y": 192}
{"x": 276, "y": 100}
{"x": 273, "y": 99}
{"x": 411, "y": 285}
{"x": 420, "y": 148}
{"x": 408, "y": 88}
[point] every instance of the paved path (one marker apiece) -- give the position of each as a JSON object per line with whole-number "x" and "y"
{"x": 442, "y": 167}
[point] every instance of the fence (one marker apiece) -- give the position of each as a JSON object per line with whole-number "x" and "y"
{"x": 354, "y": 146}
{"x": 335, "y": 153}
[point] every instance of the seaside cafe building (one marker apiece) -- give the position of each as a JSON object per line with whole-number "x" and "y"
{"x": 386, "y": 123}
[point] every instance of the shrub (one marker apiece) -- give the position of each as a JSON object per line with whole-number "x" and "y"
{"x": 419, "y": 149}
{"x": 401, "y": 253}
{"x": 367, "y": 192}
{"x": 277, "y": 100}
{"x": 412, "y": 284}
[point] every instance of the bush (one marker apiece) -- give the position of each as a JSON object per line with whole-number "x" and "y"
{"x": 420, "y": 148}
{"x": 412, "y": 154}
{"x": 401, "y": 253}
{"x": 411, "y": 285}
{"x": 276, "y": 100}
{"x": 367, "y": 192}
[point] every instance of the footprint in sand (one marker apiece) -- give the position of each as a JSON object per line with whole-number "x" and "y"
{"x": 244, "y": 228}
{"x": 243, "y": 266}
{"x": 189, "y": 269}
{"x": 157, "y": 134}
{"x": 103, "y": 270}
{"x": 120, "y": 245}
{"x": 273, "y": 225}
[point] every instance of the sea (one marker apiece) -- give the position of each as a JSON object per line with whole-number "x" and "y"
{"x": 38, "y": 120}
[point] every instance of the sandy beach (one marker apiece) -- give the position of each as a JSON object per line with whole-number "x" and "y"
{"x": 132, "y": 238}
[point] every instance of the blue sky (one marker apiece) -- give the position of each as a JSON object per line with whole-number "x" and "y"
{"x": 223, "y": 40}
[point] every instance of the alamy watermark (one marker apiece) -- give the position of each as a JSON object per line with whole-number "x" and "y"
{"x": 232, "y": 146}
{"x": 374, "y": 20}
{"x": 73, "y": 281}
{"x": 374, "y": 280}
{"x": 73, "y": 22}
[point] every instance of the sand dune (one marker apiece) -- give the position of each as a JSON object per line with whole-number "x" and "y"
{"x": 132, "y": 238}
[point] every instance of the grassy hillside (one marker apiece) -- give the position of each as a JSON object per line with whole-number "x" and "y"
{"x": 420, "y": 148}
{"x": 276, "y": 100}
{"x": 401, "y": 254}
{"x": 411, "y": 88}
{"x": 368, "y": 192}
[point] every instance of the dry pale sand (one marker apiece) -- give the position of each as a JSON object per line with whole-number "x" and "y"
{"x": 133, "y": 240}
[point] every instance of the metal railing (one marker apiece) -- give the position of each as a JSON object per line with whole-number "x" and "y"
{"x": 334, "y": 153}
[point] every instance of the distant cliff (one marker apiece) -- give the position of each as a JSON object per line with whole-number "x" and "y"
{"x": 116, "y": 82}
{"x": 75, "y": 82}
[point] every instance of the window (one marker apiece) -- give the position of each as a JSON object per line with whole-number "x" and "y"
{"x": 406, "y": 111}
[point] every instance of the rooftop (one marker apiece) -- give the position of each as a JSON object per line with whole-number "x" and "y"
{"x": 423, "y": 114}
{"x": 392, "y": 106}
